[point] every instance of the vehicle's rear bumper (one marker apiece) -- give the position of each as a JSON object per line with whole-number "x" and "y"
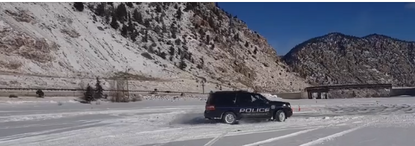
{"x": 212, "y": 115}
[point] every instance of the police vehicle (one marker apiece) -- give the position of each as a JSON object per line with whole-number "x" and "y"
{"x": 231, "y": 106}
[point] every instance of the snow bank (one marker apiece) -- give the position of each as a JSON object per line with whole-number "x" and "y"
{"x": 271, "y": 97}
{"x": 173, "y": 97}
{"x": 34, "y": 100}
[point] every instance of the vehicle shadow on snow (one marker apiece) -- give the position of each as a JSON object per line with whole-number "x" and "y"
{"x": 192, "y": 119}
{"x": 199, "y": 119}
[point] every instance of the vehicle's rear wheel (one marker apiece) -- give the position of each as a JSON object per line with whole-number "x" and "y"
{"x": 279, "y": 116}
{"x": 229, "y": 118}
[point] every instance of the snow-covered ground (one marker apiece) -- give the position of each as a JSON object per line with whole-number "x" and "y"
{"x": 334, "y": 122}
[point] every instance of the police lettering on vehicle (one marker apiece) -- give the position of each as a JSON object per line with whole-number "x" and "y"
{"x": 253, "y": 110}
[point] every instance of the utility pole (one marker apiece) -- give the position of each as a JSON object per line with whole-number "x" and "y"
{"x": 203, "y": 86}
{"x": 126, "y": 78}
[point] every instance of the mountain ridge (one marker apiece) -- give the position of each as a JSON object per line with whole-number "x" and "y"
{"x": 353, "y": 55}
{"x": 186, "y": 43}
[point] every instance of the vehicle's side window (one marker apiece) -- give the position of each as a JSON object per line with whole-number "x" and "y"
{"x": 259, "y": 97}
{"x": 244, "y": 99}
{"x": 257, "y": 100}
{"x": 225, "y": 99}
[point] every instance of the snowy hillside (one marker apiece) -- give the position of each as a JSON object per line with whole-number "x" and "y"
{"x": 169, "y": 46}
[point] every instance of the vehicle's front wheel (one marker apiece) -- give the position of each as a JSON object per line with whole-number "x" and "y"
{"x": 279, "y": 116}
{"x": 229, "y": 118}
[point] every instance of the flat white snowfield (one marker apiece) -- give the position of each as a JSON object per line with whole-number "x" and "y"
{"x": 340, "y": 122}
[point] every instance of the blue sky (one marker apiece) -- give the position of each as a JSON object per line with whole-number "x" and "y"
{"x": 288, "y": 24}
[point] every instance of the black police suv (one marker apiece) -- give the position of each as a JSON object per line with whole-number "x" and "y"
{"x": 231, "y": 106}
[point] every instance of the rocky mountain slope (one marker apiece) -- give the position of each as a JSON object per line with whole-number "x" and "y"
{"x": 168, "y": 46}
{"x": 337, "y": 58}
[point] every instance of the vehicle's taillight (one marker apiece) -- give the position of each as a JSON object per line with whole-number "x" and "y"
{"x": 210, "y": 107}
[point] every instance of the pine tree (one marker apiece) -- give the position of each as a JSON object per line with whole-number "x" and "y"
{"x": 158, "y": 9}
{"x": 202, "y": 63}
{"x": 177, "y": 41}
{"x": 114, "y": 24}
{"x": 134, "y": 35}
{"x": 179, "y": 14}
{"x": 179, "y": 52}
{"x": 173, "y": 31}
{"x": 129, "y": 4}
{"x": 124, "y": 31}
{"x": 145, "y": 38}
{"x": 207, "y": 39}
{"x": 182, "y": 64}
{"x": 137, "y": 17}
{"x": 171, "y": 52}
{"x": 107, "y": 19}
{"x": 100, "y": 10}
{"x": 121, "y": 12}
{"x": 163, "y": 55}
{"x": 131, "y": 27}
{"x": 99, "y": 91}
{"x": 79, "y": 6}
{"x": 164, "y": 28}
{"x": 89, "y": 94}
{"x": 147, "y": 23}
{"x": 211, "y": 22}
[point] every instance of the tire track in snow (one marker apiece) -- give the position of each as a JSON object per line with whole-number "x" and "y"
{"x": 330, "y": 137}
{"x": 31, "y": 134}
{"x": 170, "y": 140}
{"x": 233, "y": 131}
{"x": 307, "y": 129}
{"x": 281, "y": 137}
{"x": 211, "y": 142}
{"x": 275, "y": 129}
{"x": 47, "y": 116}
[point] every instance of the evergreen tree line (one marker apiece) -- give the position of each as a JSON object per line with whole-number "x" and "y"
{"x": 92, "y": 94}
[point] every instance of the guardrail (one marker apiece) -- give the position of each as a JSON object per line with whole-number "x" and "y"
{"x": 77, "y": 92}
{"x": 68, "y": 89}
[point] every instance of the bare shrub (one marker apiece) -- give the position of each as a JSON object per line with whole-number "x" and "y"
{"x": 146, "y": 55}
{"x": 14, "y": 65}
{"x": 21, "y": 16}
{"x": 40, "y": 93}
{"x": 82, "y": 85}
{"x": 118, "y": 91}
{"x": 13, "y": 96}
{"x": 130, "y": 76}
{"x": 154, "y": 92}
{"x": 71, "y": 33}
{"x": 135, "y": 98}
{"x": 11, "y": 64}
